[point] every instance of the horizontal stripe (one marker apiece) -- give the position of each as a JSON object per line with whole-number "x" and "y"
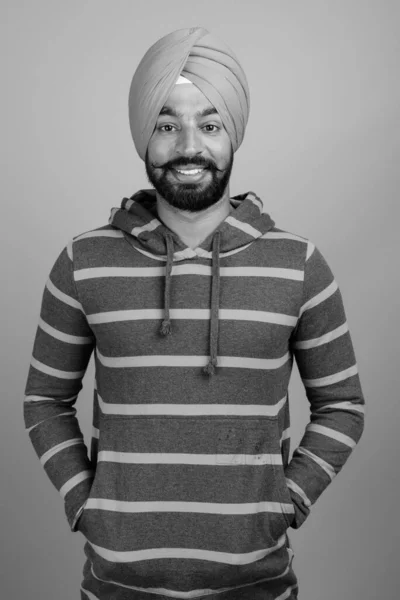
{"x": 74, "y": 481}
{"x": 331, "y": 379}
{"x": 280, "y": 273}
{"x": 56, "y": 372}
{"x": 331, "y": 433}
{"x": 113, "y": 212}
{"x": 179, "y": 255}
{"x": 211, "y": 508}
{"x": 202, "y": 253}
{"x": 287, "y": 593}
{"x": 111, "y": 233}
{"x": 285, "y": 435}
{"x": 255, "y": 200}
{"x": 116, "y": 233}
{"x": 188, "y": 554}
{"x": 206, "y": 254}
{"x": 297, "y": 489}
{"x": 61, "y": 296}
{"x": 196, "y": 593}
{"x": 329, "y": 470}
{"x": 318, "y": 298}
{"x": 189, "y": 253}
{"x": 151, "y": 226}
{"x": 193, "y": 314}
{"x": 95, "y": 432}
{"x": 170, "y": 458}
{"x": 235, "y": 362}
{"x": 323, "y": 339}
{"x": 93, "y": 273}
{"x": 77, "y": 516}
{"x": 89, "y": 595}
{"x": 64, "y": 414}
{"x": 192, "y": 410}
{"x": 310, "y": 250}
{"x": 129, "y": 203}
{"x": 188, "y": 269}
{"x": 245, "y": 227}
{"x": 48, "y": 399}
{"x": 347, "y": 405}
{"x": 282, "y": 235}
{"x": 69, "y": 250}
{"x": 50, "y": 453}
{"x": 64, "y": 337}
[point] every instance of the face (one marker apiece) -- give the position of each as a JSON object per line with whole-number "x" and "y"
{"x": 189, "y": 157}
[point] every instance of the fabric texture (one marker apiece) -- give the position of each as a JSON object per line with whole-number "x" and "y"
{"x": 204, "y": 60}
{"x": 190, "y": 487}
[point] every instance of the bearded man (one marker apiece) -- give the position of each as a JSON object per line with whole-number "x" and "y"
{"x": 195, "y": 305}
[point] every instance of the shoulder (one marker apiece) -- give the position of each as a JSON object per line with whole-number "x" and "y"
{"x": 105, "y": 231}
{"x": 93, "y": 242}
{"x": 289, "y": 243}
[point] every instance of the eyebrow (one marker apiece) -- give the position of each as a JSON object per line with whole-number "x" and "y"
{"x": 171, "y": 112}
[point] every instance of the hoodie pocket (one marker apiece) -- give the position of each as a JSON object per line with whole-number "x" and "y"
{"x": 255, "y": 445}
{"x": 188, "y": 501}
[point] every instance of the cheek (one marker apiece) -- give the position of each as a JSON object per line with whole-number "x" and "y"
{"x": 223, "y": 158}
{"x": 158, "y": 150}
{"x": 222, "y": 151}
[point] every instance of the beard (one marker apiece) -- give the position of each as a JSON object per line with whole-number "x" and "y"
{"x": 191, "y": 197}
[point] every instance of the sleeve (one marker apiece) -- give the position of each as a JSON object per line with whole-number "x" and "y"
{"x": 324, "y": 354}
{"x": 62, "y": 348}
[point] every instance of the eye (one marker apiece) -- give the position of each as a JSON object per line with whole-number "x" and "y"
{"x": 166, "y": 128}
{"x": 211, "y": 128}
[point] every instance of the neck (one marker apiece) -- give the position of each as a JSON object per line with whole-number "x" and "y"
{"x": 193, "y": 228}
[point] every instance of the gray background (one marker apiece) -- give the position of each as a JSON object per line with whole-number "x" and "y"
{"x": 322, "y": 148}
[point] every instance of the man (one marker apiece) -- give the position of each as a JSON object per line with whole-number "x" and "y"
{"x": 195, "y": 305}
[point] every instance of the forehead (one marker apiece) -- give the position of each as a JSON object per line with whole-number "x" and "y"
{"x": 187, "y": 99}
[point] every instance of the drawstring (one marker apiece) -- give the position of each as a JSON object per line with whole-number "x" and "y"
{"x": 209, "y": 369}
{"x": 165, "y": 328}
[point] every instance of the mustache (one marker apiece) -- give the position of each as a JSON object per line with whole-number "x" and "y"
{"x": 184, "y": 161}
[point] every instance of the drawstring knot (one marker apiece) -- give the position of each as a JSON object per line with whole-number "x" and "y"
{"x": 209, "y": 369}
{"x": 165, "y": 328}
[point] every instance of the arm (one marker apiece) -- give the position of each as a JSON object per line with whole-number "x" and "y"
{"x": 324, "y": 353}
{"x": 62, "y": 349}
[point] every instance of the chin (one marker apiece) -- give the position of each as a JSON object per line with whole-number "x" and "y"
{"x": 192, "y": 197}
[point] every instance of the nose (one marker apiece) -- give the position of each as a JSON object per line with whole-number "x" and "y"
{"x": 189, "y": 142}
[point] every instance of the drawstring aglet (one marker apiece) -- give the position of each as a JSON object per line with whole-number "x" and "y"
{"x": 165, "y": 328}
{"x": 209, "y": 369}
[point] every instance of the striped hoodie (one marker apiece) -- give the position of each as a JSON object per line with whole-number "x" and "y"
{"x": 189, "y": 489}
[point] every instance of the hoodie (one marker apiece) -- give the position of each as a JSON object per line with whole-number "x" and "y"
{"x": 190, "y": 487}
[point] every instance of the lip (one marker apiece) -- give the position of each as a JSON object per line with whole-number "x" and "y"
{"x": 189, "y": 178}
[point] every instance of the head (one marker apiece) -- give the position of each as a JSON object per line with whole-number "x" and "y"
{"x": 189, "y": 157}
{"x": 187, "y": 133}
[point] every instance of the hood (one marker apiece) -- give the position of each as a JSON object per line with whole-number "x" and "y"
{"x": 246, "y": 222}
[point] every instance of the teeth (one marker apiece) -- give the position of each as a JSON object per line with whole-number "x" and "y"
{"x": 192, "y": 172}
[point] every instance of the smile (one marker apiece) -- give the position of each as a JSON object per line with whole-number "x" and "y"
{"x": 189, "y": 172}
{"x": 189, "y": 175}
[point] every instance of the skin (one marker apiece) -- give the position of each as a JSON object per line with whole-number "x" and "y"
{"x": 185, "y": 137}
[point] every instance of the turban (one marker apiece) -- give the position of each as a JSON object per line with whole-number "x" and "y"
{"x": 204, "y": 60}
